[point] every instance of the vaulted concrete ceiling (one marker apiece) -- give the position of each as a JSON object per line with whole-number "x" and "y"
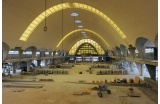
{"x": 135, "y": 18}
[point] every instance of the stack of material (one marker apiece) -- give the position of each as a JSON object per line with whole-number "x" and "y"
{"x": 95, "y": 88}
{"x": 46, "y": 80}
{"x": 133, "y": 94}
{"x": 131, "y": 80}
{"x": 19, "y": 90}
{"x": 82, "y": 81}
{"x": 137, "y": 79}
{"x": 85, "y": 92}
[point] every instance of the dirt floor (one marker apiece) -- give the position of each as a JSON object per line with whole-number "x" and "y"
{"x": 61, "y": 91}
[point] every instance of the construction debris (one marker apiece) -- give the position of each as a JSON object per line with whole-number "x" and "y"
{"x": 78, "y": 93}
{"x": 85, "y": 92}
{"x": 95, "y": 88}
{"x": 133, "y": 94}
{"x": 82, "y": 81}
{"x": 123, "y": 99}
{"x": 19, "y": 90}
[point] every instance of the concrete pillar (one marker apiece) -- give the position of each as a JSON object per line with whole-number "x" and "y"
{"x": 42, "y": 53}
{"x": 62, "y": 59}
{"x": 130, "y": 66}
{"x": 140, "y": 68}
{"x": 5, "y": 54}
{"x": 50, "y": 54}
{"x": 15, "y": 66}
{"x": 113, "y": 53}
{"x": 54, "y": 53}
{"x": 75, "y": 60}
{"x": 100, "y": 59}
{"x": 46, "y": 62}
{"x": 125, "y": 64}
{"x": 20, "y": 54}
{"x": 38, "y": 62}
{"x": 28, "y": 65}
{"x": 118, "y": 52}
{"x": 132, "y": 50}
{"x": 33, "y": 53}
{"x": 51, "y": 61}
{"x": 152, "y": 71}
{"x": 155, "y": 53}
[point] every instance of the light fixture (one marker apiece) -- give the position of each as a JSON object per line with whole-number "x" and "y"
{"x": 74, "y": 14}
{"x": 45, "y": 27}
{"x": 77, "y": 21}
{"x": 83, "y": 32}
{"x": 80, "y": 26}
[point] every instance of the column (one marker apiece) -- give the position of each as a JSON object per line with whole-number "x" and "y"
{"x": 46, "y": 62}
{"x": 130, "y": 66}
{"x": 75, "y": 60}
{"x": 28, "y": 65}
{"x": 113, "y": 53}
{"x": 33, "y": 53}
{"x": 132, "y": 50}
{"x": 51, "y": 61}
{"x": 155, "y": 53}
{"x": 125, "y": 64}
{"x": 54, "y": 53}
{"x": 152, "y": 71}
{"x": 20, "y": 54}
{"x": 140, "y": 68}
{"x": 15, "y": 66}
{"x": 100, "y": 59}
{"x": 5, "y": 54}
{"x": 38, "y": 62}
{"x": 42, "y": 53}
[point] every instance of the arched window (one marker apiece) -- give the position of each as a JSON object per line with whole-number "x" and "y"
{"x": 86, "y": 46}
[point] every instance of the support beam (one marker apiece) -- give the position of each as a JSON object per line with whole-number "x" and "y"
{"x": 15, "y": 66}
{"x": 140, "y": 68}
{"x": 38, "y": 62}
{"x": 42, "y": 53}
{"x": 132, "y": 50}
{"x": 33, "y": 53}
{"x": 46, "y": 62}
{"x": 130, "y": 66}
{"x": 125, "y": 64}
{"x": 28, "y": 65}
{"x": 5, "y": 54}
{"x": 152, "y": 71}
{"x": 20, "y": 54}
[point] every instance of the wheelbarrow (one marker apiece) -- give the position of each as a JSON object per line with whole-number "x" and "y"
{"x": 103, "y": 88}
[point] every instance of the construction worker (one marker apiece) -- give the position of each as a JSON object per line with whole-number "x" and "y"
{"x": 103, "y": 86}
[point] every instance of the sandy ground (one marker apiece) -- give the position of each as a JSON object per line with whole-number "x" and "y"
{"x": 61, "y": 92}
